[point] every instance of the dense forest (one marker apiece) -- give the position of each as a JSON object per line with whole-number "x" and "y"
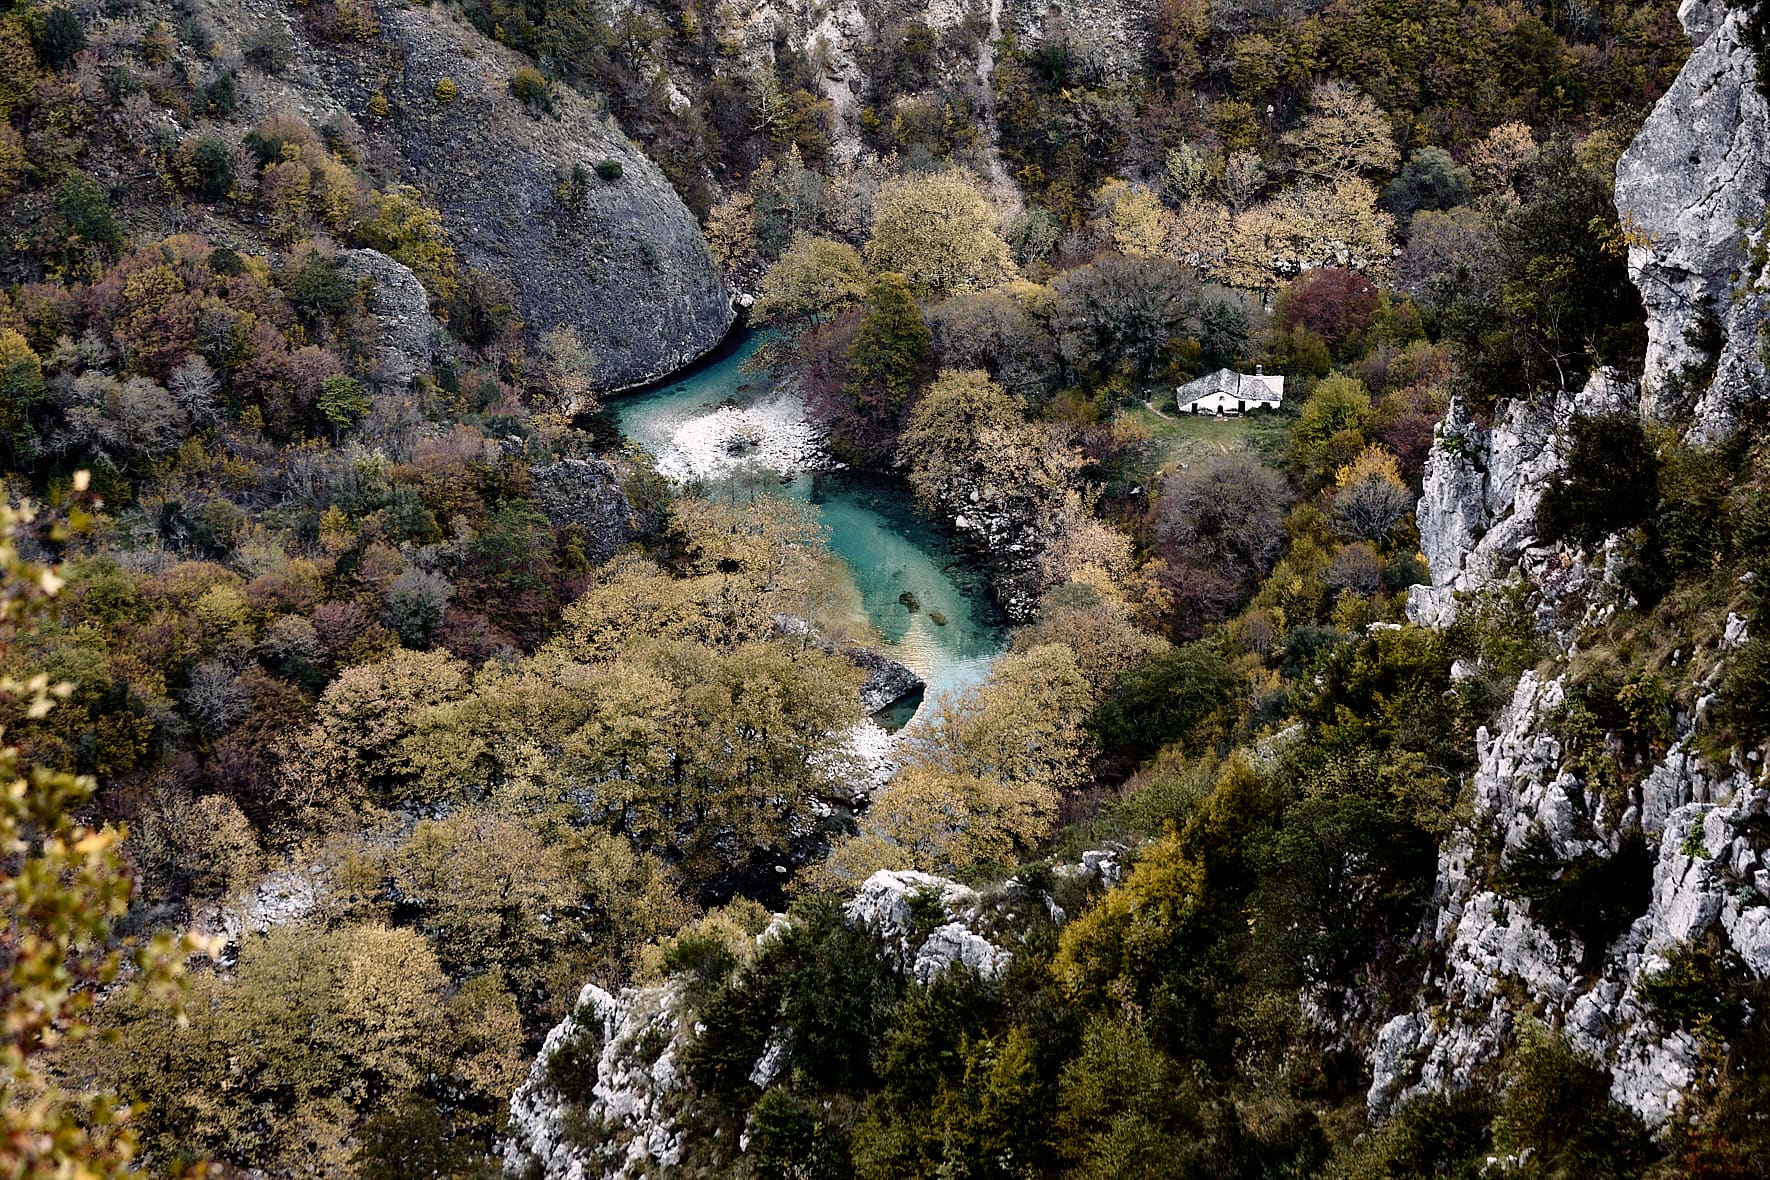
{"x": 345, "y": 746}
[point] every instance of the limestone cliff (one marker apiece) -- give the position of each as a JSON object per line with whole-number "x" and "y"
{"x": 621, "y": 260}
{"x": 1691, "y": 192}
{"x": 604, "y": 1097}
{"x": 1679, "y": 850}
{"x": 1112, "y": 35}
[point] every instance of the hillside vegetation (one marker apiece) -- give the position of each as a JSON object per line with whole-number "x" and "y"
{"x": 346, "y": 632}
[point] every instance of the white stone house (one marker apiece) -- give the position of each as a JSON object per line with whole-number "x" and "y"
{"x": 1226, "y": 393}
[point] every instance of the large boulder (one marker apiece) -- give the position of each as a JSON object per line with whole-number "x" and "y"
{"x": 618, "y": 258}
{"x": 408, "y": 332}
{"x": 587, "y": 494}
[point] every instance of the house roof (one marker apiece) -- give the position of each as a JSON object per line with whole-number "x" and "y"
{"x": 1253, "y": 387}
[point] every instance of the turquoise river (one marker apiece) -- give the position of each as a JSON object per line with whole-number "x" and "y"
{"x": 906, "y": 590}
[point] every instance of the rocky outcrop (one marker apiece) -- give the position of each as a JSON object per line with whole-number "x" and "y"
{"x": 886, "y": 904}
{"x": 1111, "y": 36}
{"x": 1691, "y": 192}
{"x": 620, "y": 260}
{"x": 886, "y": 680}
{"x": 1498, "y": 962}
{"x": 1477, "y": 510}
{"x": 1683, "y": 843}
{"x": 587, "y": 494}
{"x": 604, "y": 1095}
{"x": 599, "y": 1101}
{"x": 281, "y": 896}
{"x": 408, "y": 332}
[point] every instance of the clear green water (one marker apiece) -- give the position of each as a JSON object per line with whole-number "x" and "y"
{"x": 887, "y": 555}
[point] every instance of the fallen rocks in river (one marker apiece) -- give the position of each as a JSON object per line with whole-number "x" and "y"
{"x": 887, "y": 680}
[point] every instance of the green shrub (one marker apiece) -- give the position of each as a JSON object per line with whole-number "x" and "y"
{"x": 1432, "y": 1135}
{"x": 700, "y": 954}
{"x": 87, "y": 217}
{"x": 531, "y": 89}
{"x": 445, "y": 91}
{"x": 1556, "y": 1104}
{"x": 1744, "y": 704}
{"x": 1610, "y": 484}
{"x": 608, "y": 169}
{"x": 222, "y": 96}
{"x": 1163, "y": 700}
{"x": 205, "y": 168}
{"x": 343, "y": 400}
{"x": 1698, "y": 990}
{"x": 60, "y": 38}
{"x": 571, "y": 1067}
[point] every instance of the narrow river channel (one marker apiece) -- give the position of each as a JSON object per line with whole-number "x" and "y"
{"x": 909, "y": 593}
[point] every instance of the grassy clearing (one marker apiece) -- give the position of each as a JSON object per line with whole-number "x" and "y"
{"x": 1184, "y": 438}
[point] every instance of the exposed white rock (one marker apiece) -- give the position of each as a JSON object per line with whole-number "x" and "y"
{"x": 281, "y": 896}
{"x": 624, "y": 1126}
{"x": 602, "y": 1099}
{"x": 1477, "y": 510}
{"x": 1497, "y": 964}
{"x": 1690, "y": 190}
{"x": 887, "y": 901}
{"x": 771, "y": 433}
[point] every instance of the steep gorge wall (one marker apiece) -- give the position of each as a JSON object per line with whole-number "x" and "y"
{"x": 622, "y": 261}
{"x": 834, "y": 36}
{"x": 1688, "y": 189}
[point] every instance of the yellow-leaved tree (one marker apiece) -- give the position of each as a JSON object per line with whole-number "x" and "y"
{"x": 939, "y": 232}
{"x": 62, "y": 889}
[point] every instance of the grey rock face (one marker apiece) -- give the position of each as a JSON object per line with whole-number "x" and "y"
{"x": 887, "y": 682}
{"x": 1497, "y": 963}
{"x": 1696, "y": 171}
{"x": 280, "y": 897}
{"x": 1113, "y": 35}
{"x": 621, "y": 261}
{"x": 402, "y": 313}
{"x": 587, "y": 493}
{"x": 1689, "y": 190}
{"x": 885, "y": 903}
{"x": 1477, "y": 510}
{"x": 602, "y": 1099}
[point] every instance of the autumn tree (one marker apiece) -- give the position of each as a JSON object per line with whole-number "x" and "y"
{"x": 814, "y": 280}
{"x": 1370, "y": 499}
{"x": 966, "y": 435}
{"x": 1131, "y": 218}
{"x": 318, "y": 1030}
{"x": 568, "y": 373}
{"x": 939, "y": 232}
{"x": 1220, "y": 524}
{"x": 1335, "y": 303}
{"x": 981, "y": 778}
{"x": 63, "y": 887}
{"x": 1344, "y": 134}
{"x": 1313, "y": 224}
